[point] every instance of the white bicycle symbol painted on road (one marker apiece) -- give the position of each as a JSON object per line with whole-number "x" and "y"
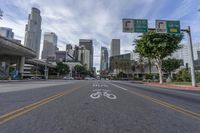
{"x": 102, "y": 92}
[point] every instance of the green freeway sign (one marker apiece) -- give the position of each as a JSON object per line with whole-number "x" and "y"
{"x": 173, "y": 27}
{"x": 165, "y": 26}
{"x": 140, "y": 25}
{"x": 135, "y": 25}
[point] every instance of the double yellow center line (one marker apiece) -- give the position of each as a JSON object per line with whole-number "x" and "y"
{"x": 163, "y": 103}
{"x": 169, "y": 105}
{"x": 16, "y": 113}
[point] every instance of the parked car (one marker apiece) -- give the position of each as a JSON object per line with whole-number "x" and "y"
{"x": 68, "y": 78}
{"x": 89, "y": 78}
{"x": 36, "y": 78}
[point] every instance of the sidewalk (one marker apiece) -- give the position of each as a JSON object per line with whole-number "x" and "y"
{"x": 11, "y": 81}
{"x": 182, "y": 87}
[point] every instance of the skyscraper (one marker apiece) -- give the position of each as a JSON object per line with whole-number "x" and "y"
{"x": 68, "y": 47}
{"x": 49, "y": 45}
{"x": 75, "y": 53}
{"x": 104, "y": 59}
{"x": 89, "y": 46}
{"x": 84, "y": 56}
{"x": 33, "y": 31}
{"x": 115, "y": 47}
{"x": 70, "y": 52}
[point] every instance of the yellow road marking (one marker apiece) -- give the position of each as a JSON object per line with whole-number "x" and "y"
{"x": 16, "y": 113}
{"x": 171, "y": 106}
{"x": 166, "y": 104}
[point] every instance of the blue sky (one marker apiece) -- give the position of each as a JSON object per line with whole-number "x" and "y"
{"x": 99, "y": 20}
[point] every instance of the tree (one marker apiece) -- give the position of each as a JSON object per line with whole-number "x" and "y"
{"x": 62, "y": 69}
{"x": 157, "y": 47}
{"x": 81, "y": 70}
{"x": 170, "y": 65}
{"x": 149, "y": 65}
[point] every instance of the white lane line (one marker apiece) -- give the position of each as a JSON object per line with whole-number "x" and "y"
{"x": 167, "y": 90}
{"x": 119, "y": 87}
{"x": 161, "y": 89}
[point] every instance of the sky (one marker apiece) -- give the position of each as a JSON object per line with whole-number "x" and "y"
{"x": 100, "y": 20}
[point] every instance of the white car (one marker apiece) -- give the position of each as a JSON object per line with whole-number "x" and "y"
{"x": 68, "y": 78}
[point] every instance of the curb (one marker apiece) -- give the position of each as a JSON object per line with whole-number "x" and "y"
{"x": 12, "y": 81}
{"x": 183, "y": 87}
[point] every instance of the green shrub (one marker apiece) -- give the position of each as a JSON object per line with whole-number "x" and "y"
{"x": 197, "y": 76}
{"x": 183, "y": 76}
{"x": 148, "y": 76}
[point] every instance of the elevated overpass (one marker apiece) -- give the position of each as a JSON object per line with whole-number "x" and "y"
{"x": 12, "y": 52}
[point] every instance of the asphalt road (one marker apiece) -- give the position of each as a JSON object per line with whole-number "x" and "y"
{"x": 96, "y": 107}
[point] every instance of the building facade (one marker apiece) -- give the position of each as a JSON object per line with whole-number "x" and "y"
{"x": 115, "y": 47}
{"x": 49, "y": 45}
{"x": 70, "y": 52}
{"x": 69, "y": 47}
{"x": 104, "y": 59}
{"x": 88, "y": 44}
{"x": 75, "y": 53}
{"x": 33, "y": 31}
{"x": 120, "y": 63}
{"x": 84, "y": 57}
{"x": 184, "y": 53}
{"x": 61, "y": 56}
{"x": 6, "y": 32}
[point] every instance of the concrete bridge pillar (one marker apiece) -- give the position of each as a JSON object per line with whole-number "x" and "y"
{"x": 20, "y": 65}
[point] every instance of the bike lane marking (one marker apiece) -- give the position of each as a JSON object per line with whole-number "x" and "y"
{"x": 98, "y": 93}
